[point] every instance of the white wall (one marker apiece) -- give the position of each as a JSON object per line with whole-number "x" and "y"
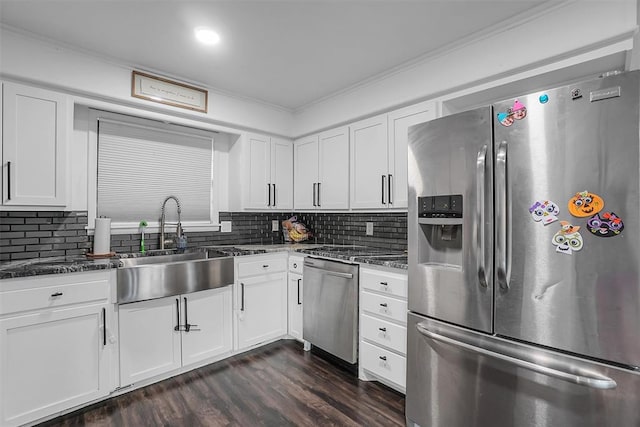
{"x": 32, "y": 60}
{"x": 548, "y": 39}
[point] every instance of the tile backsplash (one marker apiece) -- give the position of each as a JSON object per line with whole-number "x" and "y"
{"x": 30, "y": 234}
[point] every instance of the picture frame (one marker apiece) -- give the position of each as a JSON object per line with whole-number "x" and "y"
{"x": 168, "y": 92}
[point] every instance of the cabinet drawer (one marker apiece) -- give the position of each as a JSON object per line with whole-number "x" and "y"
{"x": 384, "y": 306}
{"x": 383, "y": 363}
{"x": 266, "y": 265}
{"x": 54, "y": 296}
{"x": 295, "y": 264}
{"x": 386, "y": 282}
{"x": 384, "y": 333}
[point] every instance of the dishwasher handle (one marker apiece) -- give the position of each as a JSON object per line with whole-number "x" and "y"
{"x": 330, "y": 272}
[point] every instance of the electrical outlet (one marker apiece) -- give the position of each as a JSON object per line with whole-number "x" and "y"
{"x": 369, "y": 229}
{"x": 225, "y": 226}
{"x": 275, "y": 225}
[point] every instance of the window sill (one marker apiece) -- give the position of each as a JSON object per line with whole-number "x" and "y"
{"x": 133, "y": 228}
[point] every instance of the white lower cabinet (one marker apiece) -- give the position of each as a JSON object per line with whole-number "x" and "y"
{"x": 261, "y": 299}
{"x": 383, "y": 326}
{"x": 162, "y": 335}
{"x": 55, "y": 344}
{"x": 295, "y": 296}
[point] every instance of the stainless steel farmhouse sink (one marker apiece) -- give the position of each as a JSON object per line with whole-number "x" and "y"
{"x": 160, "y": 276}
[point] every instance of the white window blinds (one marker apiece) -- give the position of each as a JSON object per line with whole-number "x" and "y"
{"x": 139, "y": 166}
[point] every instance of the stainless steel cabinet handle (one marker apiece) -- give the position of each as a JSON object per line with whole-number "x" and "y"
{"x": 56, "y": 294}
{"x": 384, "y": 283}
{"x": 383, "y": 358}
{"x": 330, "y": 273}
{"x": 383, "y": 304}
{"x": 599, "y": 382}
{"x": 382, "y": 329}
{"x": 389, "y": 191}
{"x": 502, "y": 217}
{"x": 8, "y": 180}
{"x": 314, "y": 193}
{"x": 241, "y": 296}
{"x": 104, "y": 326}
{"x": 268, "y": 194}
{"x": 265, "y": 265}
{"x": 480, "y": 208}
{"x": 299, "y": 302}
{"x": 383, "y": 180}
{"x": 318, "y": 196}
{"x": 177, "y": 327}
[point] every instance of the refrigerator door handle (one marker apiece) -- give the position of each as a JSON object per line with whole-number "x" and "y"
{"x": 502, "y": 217}
{"x": 601, "y": 382}
{"x": 480, "y": 208}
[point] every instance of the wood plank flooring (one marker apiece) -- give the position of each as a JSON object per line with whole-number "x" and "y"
{"x": 275, "y": 385}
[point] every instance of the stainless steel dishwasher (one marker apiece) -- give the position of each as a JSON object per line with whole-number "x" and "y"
{"x": 330, "y": 314}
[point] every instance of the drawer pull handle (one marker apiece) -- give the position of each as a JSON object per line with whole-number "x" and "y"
{"x": 383, "y": 304}
{"x": 56, "y": 294}
{"x": 384, "y": 283}
{"x": 383, "y": 358}
{"x": 382, "y": 329}
{"x": 295, "y": 265}
{"x": 265, "y": 266}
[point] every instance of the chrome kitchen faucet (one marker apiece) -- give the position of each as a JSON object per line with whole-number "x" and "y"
{"x": 163, "y": 242}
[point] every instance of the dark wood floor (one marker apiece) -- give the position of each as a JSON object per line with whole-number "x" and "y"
{"x": 276, "y": 385}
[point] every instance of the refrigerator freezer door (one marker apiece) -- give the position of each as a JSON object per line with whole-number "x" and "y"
{"x": 585, "y": 298}
{"x": 461, "y": 378}
{"x": 451, "y": 259}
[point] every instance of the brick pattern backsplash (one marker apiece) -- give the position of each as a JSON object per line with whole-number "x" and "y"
{"x": 28, "y": 234}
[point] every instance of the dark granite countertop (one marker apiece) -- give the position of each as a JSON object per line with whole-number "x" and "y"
{"x": 54, "y": 265}
{"x": 78, "y": 263}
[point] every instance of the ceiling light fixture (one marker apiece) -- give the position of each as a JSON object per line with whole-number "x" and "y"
{"x": 207, "y": 36}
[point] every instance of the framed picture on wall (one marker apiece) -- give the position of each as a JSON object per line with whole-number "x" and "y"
{"x": 158, "y": 89}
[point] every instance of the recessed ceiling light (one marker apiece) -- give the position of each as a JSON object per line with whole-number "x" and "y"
{"x": 207, "y": 36}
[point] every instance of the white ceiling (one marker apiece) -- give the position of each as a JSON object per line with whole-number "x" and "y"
{"x": 286, "y": 53}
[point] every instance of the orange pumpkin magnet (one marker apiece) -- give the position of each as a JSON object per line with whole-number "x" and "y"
{"x": 585, "y": 204}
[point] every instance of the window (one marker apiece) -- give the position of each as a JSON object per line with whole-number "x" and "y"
{"x": 141, "y": 162}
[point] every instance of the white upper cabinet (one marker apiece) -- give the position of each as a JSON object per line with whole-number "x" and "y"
{"x": 369, "y": 167}
{"x": 322, "y": 170}
{"x": 268, "y": 172}
{"x": 399, "y": 123}
{"x": 379, "y": 157}
{"x": 35, "y": 125}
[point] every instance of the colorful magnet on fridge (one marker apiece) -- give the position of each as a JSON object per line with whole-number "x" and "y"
{"x": 585, "y": 204}
{"x": 606, "y": 225}
{"x": 505, "y": 119}
{"x": 544, "y": 211}
{"x": 544, "y": 98}
{"x": 519, "y": 111}
{"x": 568, "y": 239}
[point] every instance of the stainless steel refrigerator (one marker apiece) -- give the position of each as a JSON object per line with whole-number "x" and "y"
{"x": 524, "y": 253}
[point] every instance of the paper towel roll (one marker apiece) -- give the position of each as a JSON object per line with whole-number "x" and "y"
{"x": 102, "y": 236}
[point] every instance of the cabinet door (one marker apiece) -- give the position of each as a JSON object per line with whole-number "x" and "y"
{"x": 295, "y": 306}
{"x": 258, "y": 185}
{"x": 149, "y": 343}
{"x": 281, "y": 174}
{"x": 35, "y": 123}
{"x": 262, "y": 308}
{"x": 399, "y": 123}
{"x": 334, "y": 169}
{"x": 369, "y": 163}
{"x": 209, "y": 314}
{"x": 305, "y": 161}
{"x": 51, "y": 361}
